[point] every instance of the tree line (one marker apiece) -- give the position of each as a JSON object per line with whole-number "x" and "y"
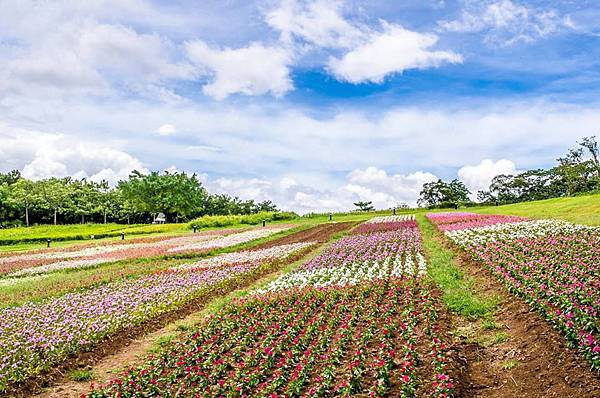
{"x": 138, "y": 199}
{"x": 578, "y": 172}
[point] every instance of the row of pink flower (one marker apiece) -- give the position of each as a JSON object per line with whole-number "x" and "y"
{"x": 459, "y": 221}
{"x": 555, "y": 268}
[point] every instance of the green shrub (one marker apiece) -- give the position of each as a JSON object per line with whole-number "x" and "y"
{"x": 249, "y": 219}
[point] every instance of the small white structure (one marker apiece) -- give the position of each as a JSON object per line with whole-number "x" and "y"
{"x": 160, "y": 219}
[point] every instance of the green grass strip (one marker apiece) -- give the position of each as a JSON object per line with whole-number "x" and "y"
{"x": 458, "y": 290}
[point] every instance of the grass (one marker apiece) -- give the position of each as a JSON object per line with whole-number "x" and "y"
{"x": 40, "y": 233}
{"x": 81, "y": 375}
{"x": 458, "y": 290}
{"x": 579, "y": 209}
{"x": 510, "y": 364}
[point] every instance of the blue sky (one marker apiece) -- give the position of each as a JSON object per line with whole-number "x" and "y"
{"x": 314, "y": 104}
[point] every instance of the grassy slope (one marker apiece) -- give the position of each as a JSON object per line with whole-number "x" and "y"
{"x": 579, "y": 209}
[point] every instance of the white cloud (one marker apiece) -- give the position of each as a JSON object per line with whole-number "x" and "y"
{"x": 42, "y": 155}
{"x": 252, "y": 70}
{"x": 370, "y": 184}
{"x": 480, "y": 176}
{"x": 63, "y": 49}
{"x": 166, "y": 130}
{"x": 506, "y": 22}
{"x": 317, "y": 22}
{"x": 393, "y": 50}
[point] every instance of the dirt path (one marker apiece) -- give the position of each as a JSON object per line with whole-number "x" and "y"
{"x": 136, "y": 346}
{"x": 517, "y": 353}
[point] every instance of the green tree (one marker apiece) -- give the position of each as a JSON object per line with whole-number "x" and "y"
{"x": 24, "y": 194}
{"x": 443, "y": 194}
{"x": 173, "y": 193}
{"x": 55, "y": 196}
{"x": 364, "y": 206}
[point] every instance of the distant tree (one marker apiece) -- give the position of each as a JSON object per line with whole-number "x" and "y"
{"x": 443, "y": 194}
{"x": 364, "y": 206}
{"x": 173, "y": 193}
{"x": 24, "y": 195}
{"x": 266, "y": 206}
{"x": 55, "y": 196}
{"x": 85, "y": 197}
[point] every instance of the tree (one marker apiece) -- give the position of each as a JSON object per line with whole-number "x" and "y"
{"x": 443, "y": 194}
{"x": 85, "y": 198}
{"x": 364, "y": 206}
{"x": 173, "y": 193}
{"x": 24, "y": 195}
{"x": 55, "y": 195}
{"x": 266, "y": 206}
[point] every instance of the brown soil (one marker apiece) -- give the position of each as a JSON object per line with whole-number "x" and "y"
{"x": 320, "y": 234}
{"x": 127, "y": 344}
{"x": 522, "y": 356}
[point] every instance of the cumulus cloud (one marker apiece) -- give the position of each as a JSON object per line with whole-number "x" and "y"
{"x": 506, "y": 22}
{"x": 480, "y": 176}
{"x": 252, "y": 70}
{"x": 42, "y": 155}
{"x": 370, "y": 184}
{"x": 393, "y": 50}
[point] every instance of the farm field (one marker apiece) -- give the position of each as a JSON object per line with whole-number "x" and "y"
{"x": 380, "y": 305}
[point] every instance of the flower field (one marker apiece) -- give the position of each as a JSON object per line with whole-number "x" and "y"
{"x": 56, "y": 260}
{"x": 35, "y": 336}
{"x": 354, "y": 321}
{"x": 553, "y": 265}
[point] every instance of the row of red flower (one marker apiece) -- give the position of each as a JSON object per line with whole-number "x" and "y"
{"x": 364, "y": 339}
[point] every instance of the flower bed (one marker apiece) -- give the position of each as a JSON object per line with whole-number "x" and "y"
{"x": 354, "y": 321}
{"x": 35, "y": 336}
{"x": 313, "y": 343}
{"x": 553, "y": 265}
{"x": 39, "y": 263}
{"x": 247, "y": 256}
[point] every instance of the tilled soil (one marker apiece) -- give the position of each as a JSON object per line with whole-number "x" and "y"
{"x": 57, "y": 383}
{"x": 320, "y": 234}
{"x": 531, "y": 359}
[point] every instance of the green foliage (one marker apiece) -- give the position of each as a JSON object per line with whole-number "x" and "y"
{"x": 137, "y": 199}
{"x": 81, "y": 375}
{"x": 364, "y": 206}
{"x": 250, "y": 219}
{"x": 443, "y": 194}
{"x": 577, "y": 172}
{"x": 12, "y": 236}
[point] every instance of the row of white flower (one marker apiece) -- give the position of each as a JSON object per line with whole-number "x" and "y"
{"x": 398, "y": 218}
{"x": 246, "y": 256}
{"x": 349, "y": 274}
{"x": 229, "y": 240}
{"x": 514, "y": 230}
{"x": 8, "y": 282}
